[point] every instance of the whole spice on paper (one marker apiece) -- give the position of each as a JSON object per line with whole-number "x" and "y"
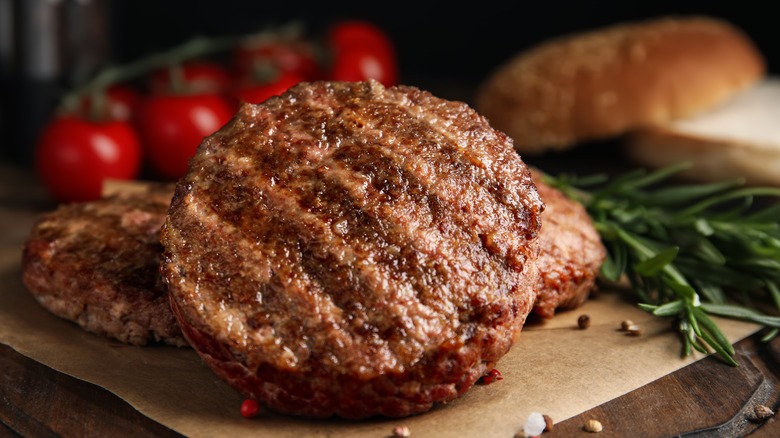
{"x": 593, "y": 426}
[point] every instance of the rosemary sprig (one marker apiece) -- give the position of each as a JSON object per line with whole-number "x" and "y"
{"x": 689, "y": 251}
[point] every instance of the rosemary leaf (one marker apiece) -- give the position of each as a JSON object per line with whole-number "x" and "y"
{"x": 723, "y": 353}
{"x": 745, "y": 194}
{"x": 680, "y": 195}
{"x": 770, "y": 335}
{"x": 669, "y": 309}
{"x": 654, "y": 265}
{"x": 743, "y": 313}
{"x": 774, "y": 291}
{"x": 713, "y": 330}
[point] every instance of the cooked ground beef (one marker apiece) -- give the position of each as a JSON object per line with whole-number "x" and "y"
{"x": 97, "y": 264}
{"x": 354, "y": 250}
{"x": 571, "y": 252}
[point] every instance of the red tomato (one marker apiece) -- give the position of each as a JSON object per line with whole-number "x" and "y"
{"x": 345, "y": 34}
{"x": 258, "y": 93}
{"x": 361, "y": 63}
{"x": 74, "y": 156}
{"x": 121, "y": 102}
{"x": 360, "y": 50}
{"x": 197, "y": 77}
{"x": 254, "y": 60}
{"x": 172, "y": 126}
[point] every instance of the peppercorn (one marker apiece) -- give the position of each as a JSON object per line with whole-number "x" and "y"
{"x": 583, "y": 322}
{"x": 250, "y": 408}
{"x": 492, "y": 376}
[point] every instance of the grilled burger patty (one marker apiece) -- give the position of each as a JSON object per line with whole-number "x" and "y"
{"x": 97, "y": 264}
{"x": 353, "y": 250}
{"x": 571, "y": 252}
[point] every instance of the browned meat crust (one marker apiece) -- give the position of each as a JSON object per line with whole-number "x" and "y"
{"x": 571, "y": 252}
{"x": 353, "y": 250}
{"x": 97, "y": 264}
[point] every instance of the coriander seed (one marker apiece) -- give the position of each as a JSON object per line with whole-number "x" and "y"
{"x": 583, "y": 322}
{"x": 634, "y": 330}
{"x": 762, "y": 412}
{"x": 593, "y": 426}
{"x": 626, "y": 324}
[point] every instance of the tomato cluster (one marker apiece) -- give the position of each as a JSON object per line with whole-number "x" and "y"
{"x": 156, "y": 122}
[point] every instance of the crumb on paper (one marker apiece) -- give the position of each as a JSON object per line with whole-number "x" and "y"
{"x": 401, "y": 432}
{"x": 548, "y": 423}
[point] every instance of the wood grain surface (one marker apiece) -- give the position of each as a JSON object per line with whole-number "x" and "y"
{"x": 705, "y": 399}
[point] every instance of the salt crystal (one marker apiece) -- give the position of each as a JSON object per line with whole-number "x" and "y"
{"x": 534, "y": 425}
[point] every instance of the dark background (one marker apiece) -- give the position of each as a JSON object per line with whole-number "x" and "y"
{"x": 450, "y": 40}
{"x": 446, "y": 47}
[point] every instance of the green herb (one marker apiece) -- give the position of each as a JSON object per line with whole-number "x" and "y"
{"x": 689, "y": 251}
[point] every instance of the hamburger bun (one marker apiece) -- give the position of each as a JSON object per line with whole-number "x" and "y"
{"x": 740, "y": 139}
{"x": 603, "y": 83}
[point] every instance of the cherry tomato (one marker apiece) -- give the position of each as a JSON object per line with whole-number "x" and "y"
{"x": 361, "y": 50}
{"x": 259, "y": 92}
{"x": 360, "y": 63}
{"x": 121, "y": 103}
{"x": 172, "y": 126}
{"x": 254, "y": 60}
{"x": 74, "y": 156}
{"x": 344, "y": 34}
{"x": 196, "y": 77}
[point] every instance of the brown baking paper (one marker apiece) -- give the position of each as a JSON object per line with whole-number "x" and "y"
{"x": 554, "y": 368}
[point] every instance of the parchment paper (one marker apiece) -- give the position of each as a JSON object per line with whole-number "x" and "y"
{"x": 554, "y": 368}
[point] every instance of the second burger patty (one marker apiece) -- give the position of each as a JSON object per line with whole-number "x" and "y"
{"x": 353, "y": 250}
{"x": 571, "y": 252}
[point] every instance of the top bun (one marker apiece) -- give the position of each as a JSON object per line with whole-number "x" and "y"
{"x": 602, "y": 83}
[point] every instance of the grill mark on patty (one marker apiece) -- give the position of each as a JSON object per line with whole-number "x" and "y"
{"x": 317, "y": 239}
{"x": 288, "y": 276}
{"x": 349, "y": 120}
{"x": 363, "y": 222}
{"x": 493, "y": 169}
{"x": 285, "y": 198}
{"x": 445, "y": 169}
{"x": 343, "y": 152}
{"x": 392, "y": 189}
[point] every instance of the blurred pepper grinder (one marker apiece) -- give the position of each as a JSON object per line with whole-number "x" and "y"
{"x": 46, "y": 48}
